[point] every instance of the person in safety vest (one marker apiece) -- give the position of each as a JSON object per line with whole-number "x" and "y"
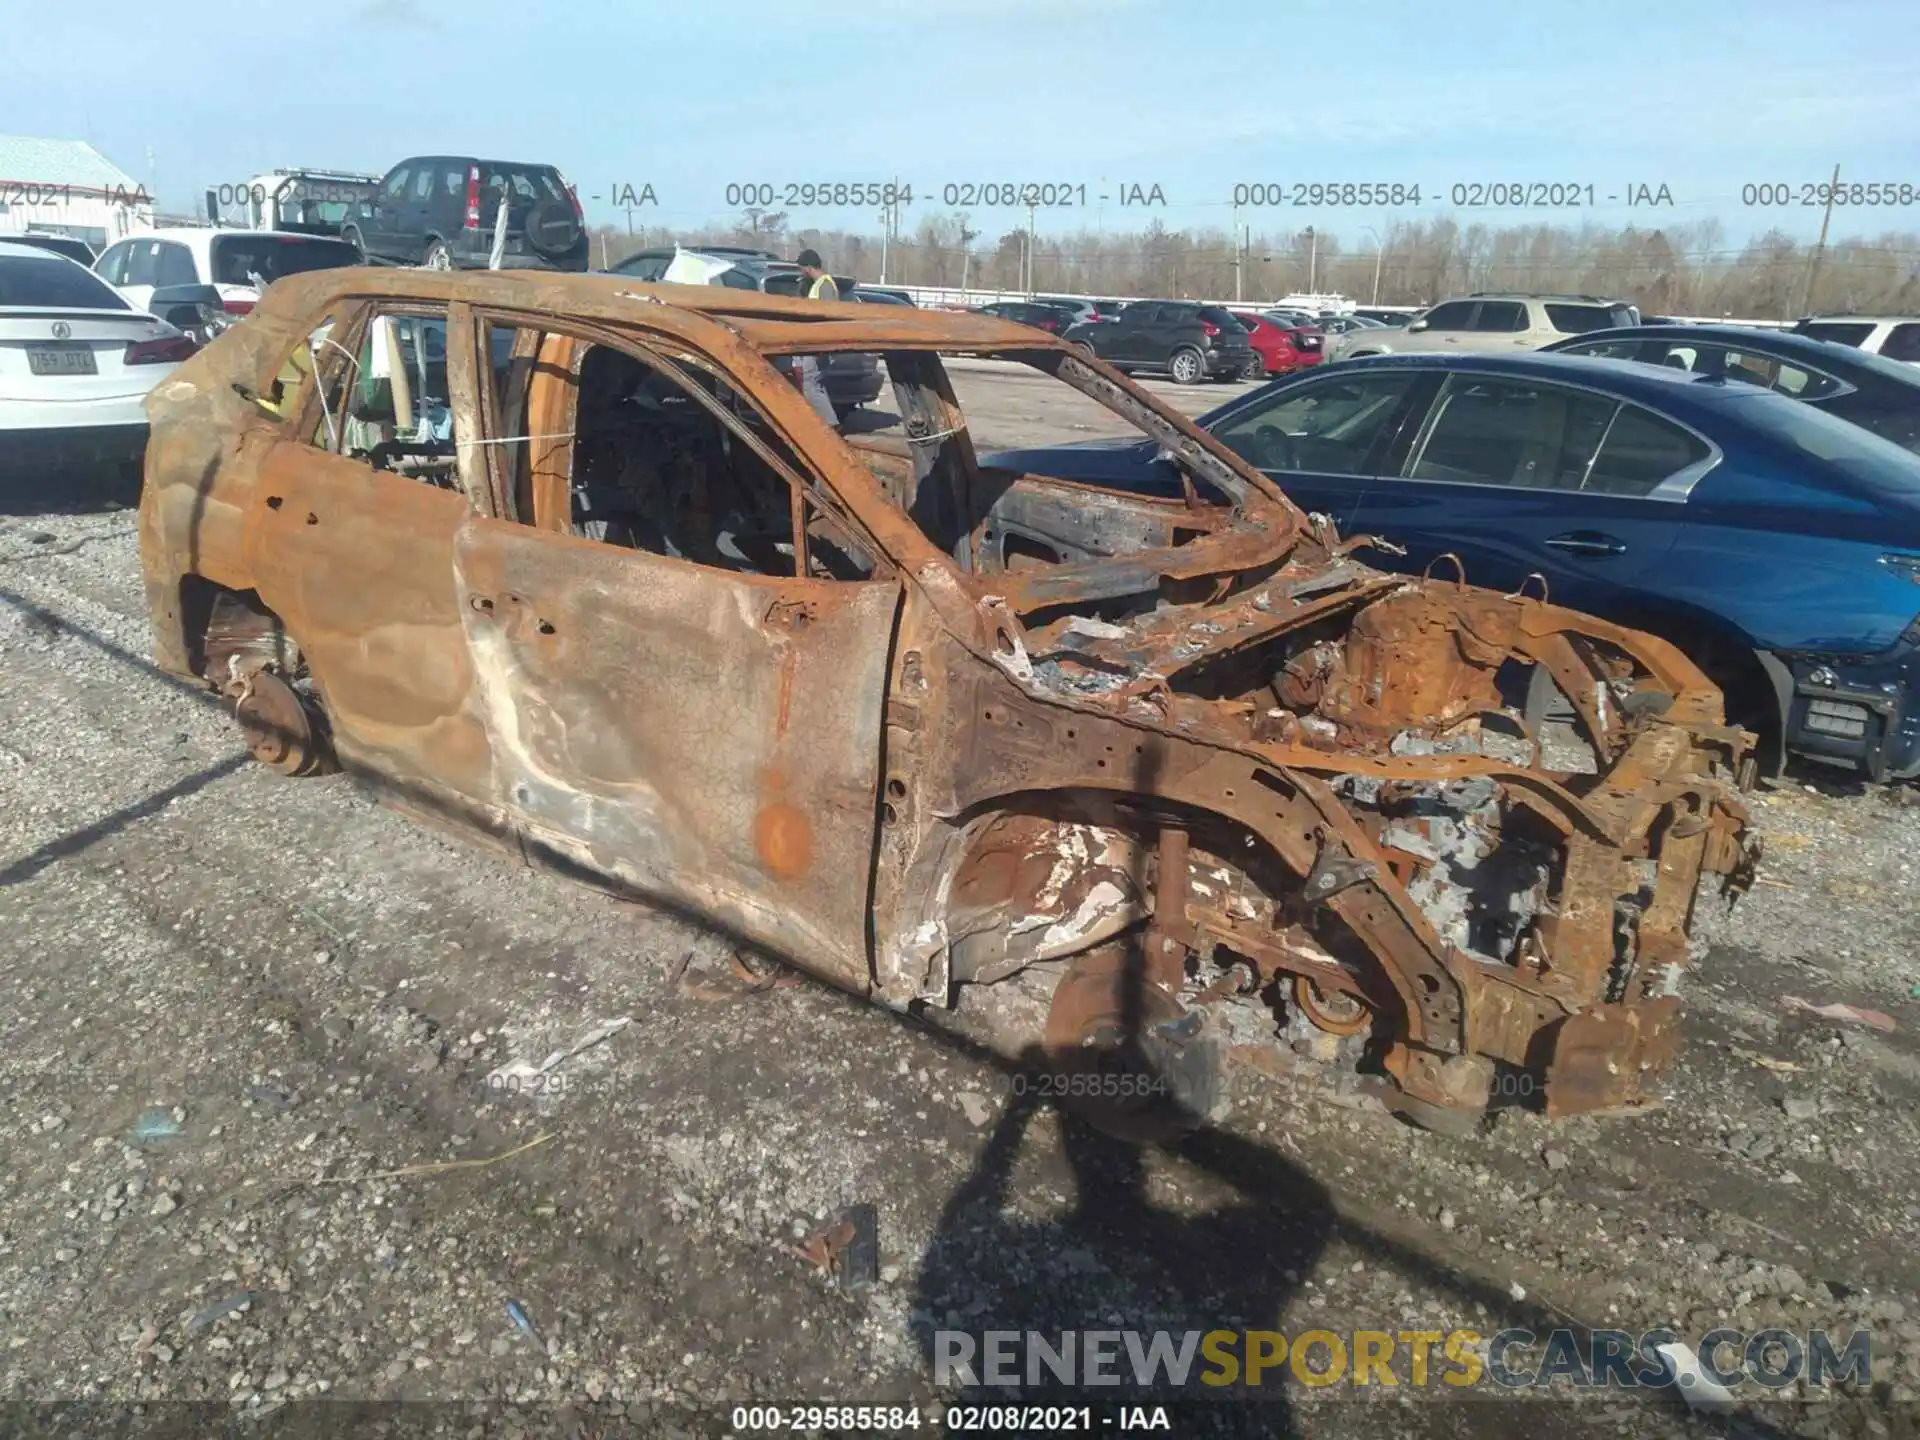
{"x": 813, "y": 383}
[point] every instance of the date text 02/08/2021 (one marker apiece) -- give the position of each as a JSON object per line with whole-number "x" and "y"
{"x": 951, "y": 1420}
{"x": 1459, "y": 195}
{"x": 961, "y": 195}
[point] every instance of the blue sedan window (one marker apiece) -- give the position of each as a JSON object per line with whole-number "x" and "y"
{"x": 1607, "y": 349}
{"x": 1511, "y": 432}
{"x": 1487, "y": 431}
{"x": 1751, "y": 367}
{"x": 1640, "y": 451}
{"x": 1329, "y": 426}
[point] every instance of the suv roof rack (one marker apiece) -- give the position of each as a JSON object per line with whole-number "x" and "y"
{"x": 1536, "y": 295}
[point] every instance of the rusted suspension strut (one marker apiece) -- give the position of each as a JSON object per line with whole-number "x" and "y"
{"x": 1170, "y": 939}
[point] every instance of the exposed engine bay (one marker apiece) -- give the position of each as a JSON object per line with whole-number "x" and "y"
{"x": 1433, "y": 869}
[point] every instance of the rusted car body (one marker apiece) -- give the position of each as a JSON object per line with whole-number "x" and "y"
{"x": 1179, "y": 772}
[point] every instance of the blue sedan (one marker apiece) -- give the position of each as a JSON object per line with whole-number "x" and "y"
{"x": 1777, "y": 545}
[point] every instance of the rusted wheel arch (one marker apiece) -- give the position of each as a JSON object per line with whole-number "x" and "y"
{"x": 1292, "y": 816}
{"x": 967, "y": 845}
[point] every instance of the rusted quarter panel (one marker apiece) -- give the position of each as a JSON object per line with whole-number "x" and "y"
{"x": 362, "y": 572}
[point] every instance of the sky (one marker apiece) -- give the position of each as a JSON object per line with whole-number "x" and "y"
{"x": 1094, "y": 97}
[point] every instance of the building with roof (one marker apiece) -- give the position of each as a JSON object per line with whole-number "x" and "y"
{"x": 69, "y": 188}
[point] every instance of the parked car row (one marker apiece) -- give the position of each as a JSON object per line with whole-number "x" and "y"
{"x": 80, "y": 351}
{"x": 1185, "y": 340}
{"x": 852, "y": 379}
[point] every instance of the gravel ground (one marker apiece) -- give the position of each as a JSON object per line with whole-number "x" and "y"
{"x": 252, "y": 1155}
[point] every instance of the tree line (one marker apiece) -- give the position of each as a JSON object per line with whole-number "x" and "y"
{"x": 1683, "y": 269}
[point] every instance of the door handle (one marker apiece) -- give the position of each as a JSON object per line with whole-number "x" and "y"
{"x": 1588, "y": 542}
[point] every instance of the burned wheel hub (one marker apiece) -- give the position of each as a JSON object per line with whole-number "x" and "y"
{"x": 1127, "y": 1056}
{"x": 1334, "y": 1011}
{"x": 281, "y": 730}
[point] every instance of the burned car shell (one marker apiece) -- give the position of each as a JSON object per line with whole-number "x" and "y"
{"x": 1205, "y": 758}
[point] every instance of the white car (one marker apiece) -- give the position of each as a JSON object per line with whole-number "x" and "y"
{"x": 237, "y": 263}
{"x": 1894, "y": 337}
{"x": 76, "y": 363}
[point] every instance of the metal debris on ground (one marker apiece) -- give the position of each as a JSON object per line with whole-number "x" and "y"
{"x": 435, "y": 1167}
{"x": 220, "y": 1309}
{"x": 520, "y": 1320}
{"x": 155, "y": 1124}
{"x": 515, "y": 1074}
{"x": 1854, "y": 1014}
{"x": 847, "y": 1247}
{"x": 758, "y": 980}
{"x": 1768, "y": 1062}
{"x": 688, "y": 986}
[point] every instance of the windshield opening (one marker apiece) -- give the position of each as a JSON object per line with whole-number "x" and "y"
{"x": 947, "y": 435}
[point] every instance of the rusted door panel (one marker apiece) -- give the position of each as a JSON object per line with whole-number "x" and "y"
{"x": 358, "y": 564}
{"x": 709, "y": 738}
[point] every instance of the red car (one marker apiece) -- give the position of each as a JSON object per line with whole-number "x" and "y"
{"x": 1280, "y": 347}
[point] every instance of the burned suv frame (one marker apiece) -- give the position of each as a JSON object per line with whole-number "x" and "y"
{"x": 1125, "y": 782}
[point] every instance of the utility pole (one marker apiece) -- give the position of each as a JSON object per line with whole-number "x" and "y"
{"x": 1313, "y": 262}
{"x": 1030, "y": 210}
{"x": 886, "y": 229}
{"x": 1820, "y": 250}
{"x": 967, "y": 237}
{"x": 1379, "y": 254}
{"x": 1239, "y": 252}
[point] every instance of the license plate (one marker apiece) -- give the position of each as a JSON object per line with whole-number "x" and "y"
{"x": 61, "y": 360}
